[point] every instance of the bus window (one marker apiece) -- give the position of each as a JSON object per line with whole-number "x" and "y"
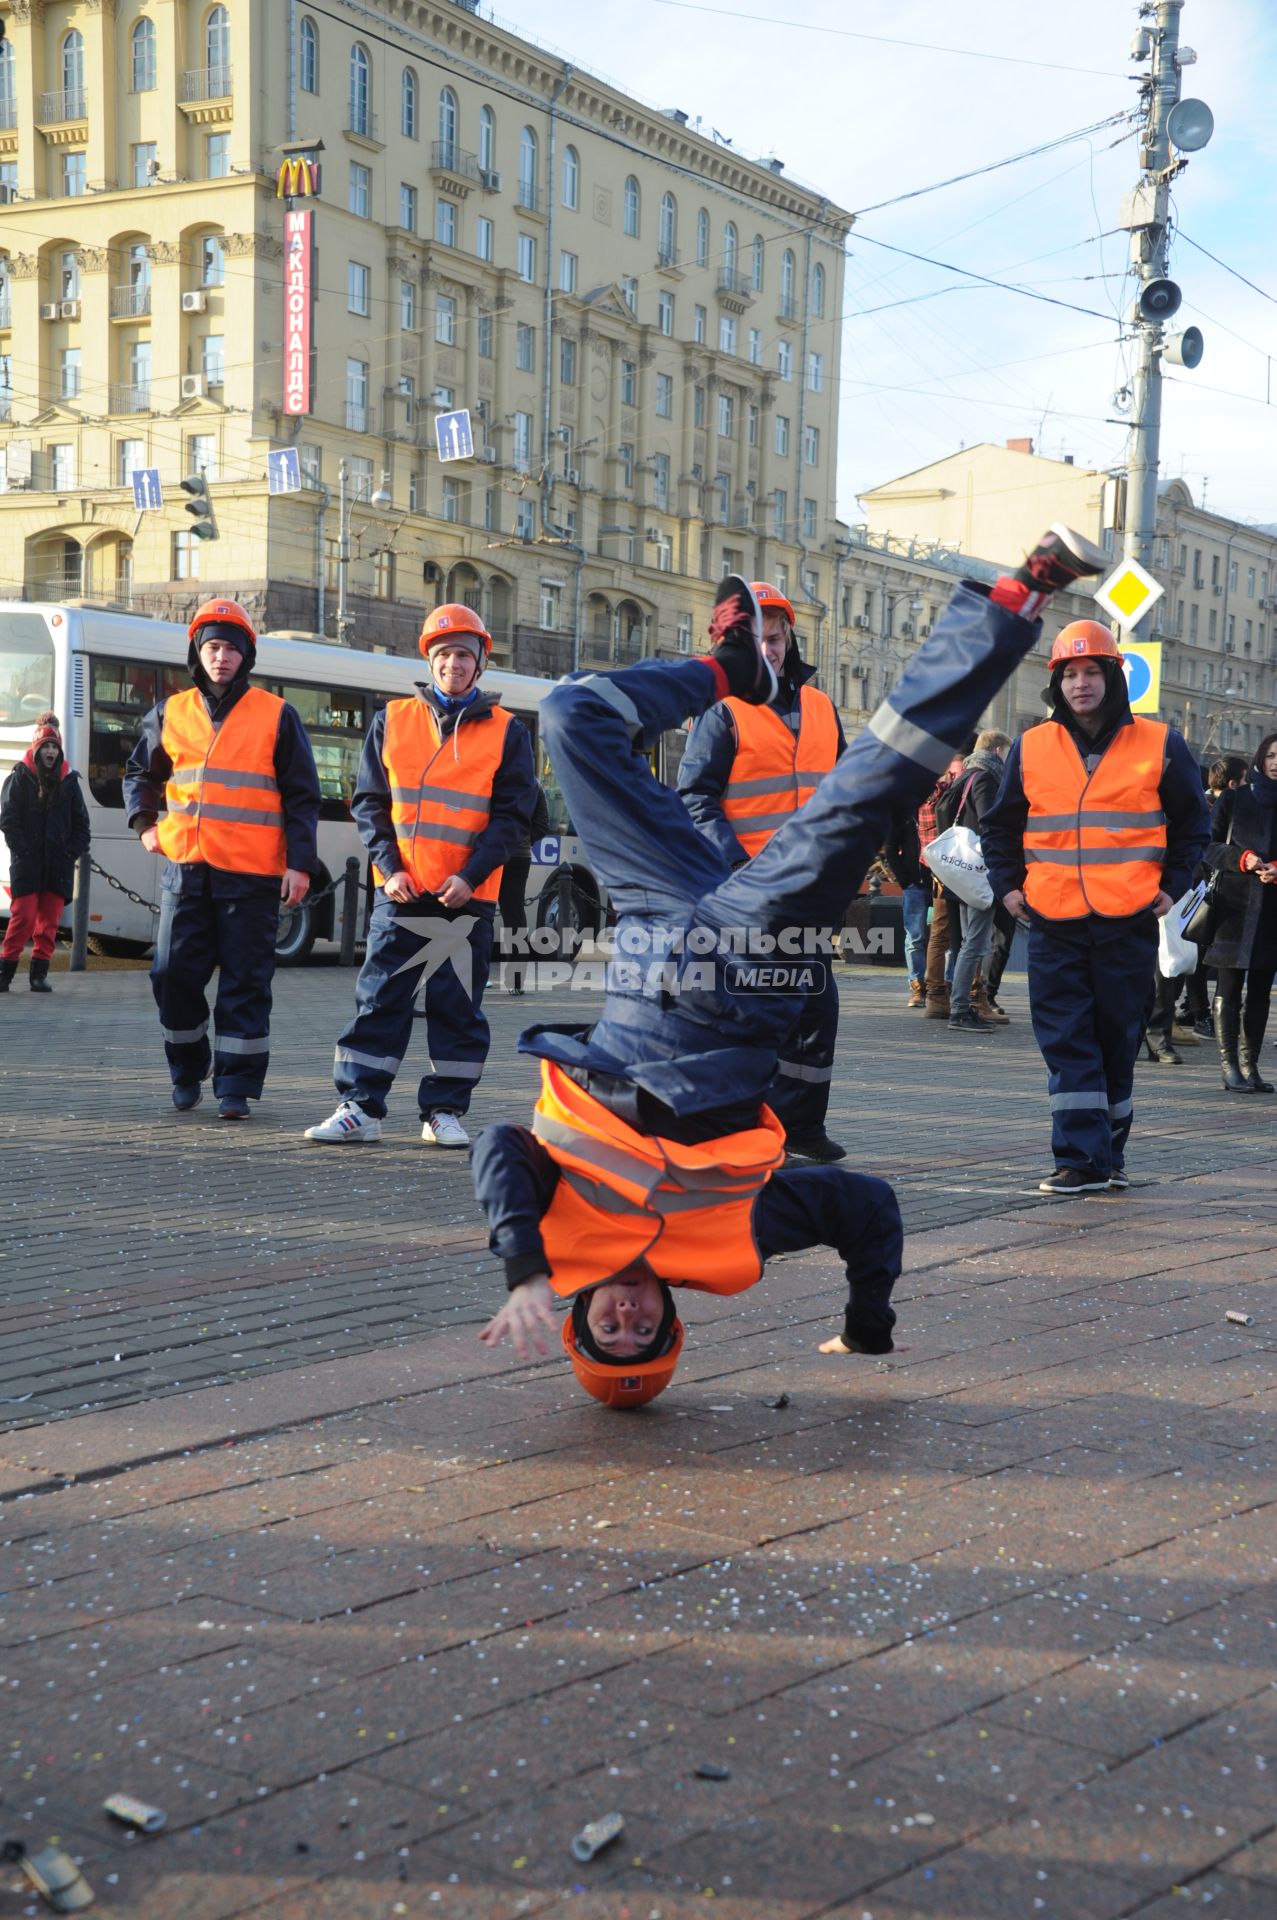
{"x": 555, "y": 805}
{"x": 121, "y": 694}
{"x": 26, "y": 669}
{"x": 335, "y": 719}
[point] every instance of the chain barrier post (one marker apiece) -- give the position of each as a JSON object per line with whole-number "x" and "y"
{"x": 349, "y": 912}
{"x": 80, "y": 916}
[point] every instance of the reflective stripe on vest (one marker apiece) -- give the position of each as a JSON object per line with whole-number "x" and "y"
{"x": 441, "y": 789}
{"x": 1093, "y": 843}
{"x": 223, "y": 801}
{"x": 627, "y": 1199}
{"x": 775, "y": 769}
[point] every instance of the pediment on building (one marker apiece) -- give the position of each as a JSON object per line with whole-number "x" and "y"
{"x": 56, "y": 416}
{"x": 609, "y": 300}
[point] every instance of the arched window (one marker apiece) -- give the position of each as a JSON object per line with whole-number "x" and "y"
{"x": 73, "y": 73}
{"x": 408, "y": 119}
{"x": 142, "y": 45}
{"x": 527, "y": 168}
{"x": 571, "y": 177}
{"x": 787, "y": 282}
{"x": 702, "y": 238}
{"x": 217, "y": 46}
{"x": 669, "y": 230}
{"x": 309, "y": 57}
{"x": 448, "y": 125}
{"x": 730, "y": 248}
{"x": 360, "y": 90}
{"x": 487, "y": 139}
{"x": 818, "y": 291}
{"x": 757, "y": 269}
{"x": 631, "y": 206}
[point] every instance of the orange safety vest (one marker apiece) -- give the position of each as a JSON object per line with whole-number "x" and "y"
{"x": 776, "y": 770}
{"x": 1094, "y": 842}
{"x": 441, "y": 790}
{"x": 223, "y": 801}
{"x": 625, "y": 1198}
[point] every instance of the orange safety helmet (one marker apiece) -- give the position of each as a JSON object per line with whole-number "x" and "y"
{"x": 449, "y": 622}
{"x": 223, "y": 613}
{"x": 1084, "y": 640}
{"x": 623, "y": 1385}
{"x": 769, "y": 596}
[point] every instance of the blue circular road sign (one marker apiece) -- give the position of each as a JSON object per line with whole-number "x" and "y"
{"x": 1139, "y": 675}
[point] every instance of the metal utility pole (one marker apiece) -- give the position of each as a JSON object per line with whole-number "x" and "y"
{"x": 1170, "y": 123}
{"x": 345, "y": 625}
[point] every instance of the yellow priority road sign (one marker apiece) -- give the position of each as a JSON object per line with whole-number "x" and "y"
{"x": 1128, "y": 593}
{"x": 1143, "y": 660}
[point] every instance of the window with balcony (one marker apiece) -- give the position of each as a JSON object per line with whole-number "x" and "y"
{"x": 213, "y": 359}
{"x": 217, "y": 44}
{"x": 357, "y": 395}
{"x": 308, "y": 62}
{"x": 359, "y": 196}
{"x": 69, "y": 373}
{"x": 446, "y": 319}
{"x": 408, "y": 305}
{"x": 571, "y": 178}
{"x": 142, "y": 56}
{"x": 731, "y": 242}
{"x": 528, "y": 169}
{"x": 75, "y": 177}
{"x": 525, "y": 348}
{"x": 360, "y": 101}
{"x": 407, "y": 207}
{"x": 664, "y": 396}
{"x": 217, "y": 156}
{"x": 409, "y": 117}
{"x": 73, "y": 75}
{"x": 667, "y": 243}
{"x": 358, "y": 288}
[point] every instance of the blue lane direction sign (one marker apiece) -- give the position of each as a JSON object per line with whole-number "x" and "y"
{"x": 283, "y": 470}
{"x": 148, "y": 495}
{"x": 453, "y": 436}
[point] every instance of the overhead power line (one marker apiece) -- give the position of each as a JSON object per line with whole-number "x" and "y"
{"x": 1263, "y": 294}
{"x": 993, "y": 166}
{"x": 1005, "y": 286}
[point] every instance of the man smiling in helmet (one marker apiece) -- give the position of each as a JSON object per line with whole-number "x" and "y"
{"x": 223, "y": 782}
{"x": 653, "y": 1164}
{"x": 745, "y": 771}
{"x": 1094, "y": 834}
{"x": 445, "y": 793}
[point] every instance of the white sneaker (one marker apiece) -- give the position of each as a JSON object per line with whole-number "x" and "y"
{"x": 349, "y": 1126}
{"x": 444, "y": 1130}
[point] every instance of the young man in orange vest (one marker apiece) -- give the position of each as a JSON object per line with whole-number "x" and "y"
{"x": 653, "y": 1163}
{"x": 745, "y": 771}
{"x": 223, "y": 781}
{"x": 445, "y": 795}
{"x": 1094, "y": 835}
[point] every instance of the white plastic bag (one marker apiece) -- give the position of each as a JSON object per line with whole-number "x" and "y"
{"x": 957, "y": 861}
{"x": 1176, "y": 953}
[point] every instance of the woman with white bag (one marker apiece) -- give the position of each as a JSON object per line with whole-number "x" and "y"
{"x": 969, "y": 799}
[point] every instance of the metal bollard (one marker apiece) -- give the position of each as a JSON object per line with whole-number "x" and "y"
{"x": 349, "y": 912}
{"x": 80, "y": 916}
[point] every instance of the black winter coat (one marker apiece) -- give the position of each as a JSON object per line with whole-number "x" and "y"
{"x": 1247, "y": 935}
{"x": 44, "y": 839}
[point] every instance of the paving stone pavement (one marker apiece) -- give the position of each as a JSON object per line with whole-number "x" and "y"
{"x": 381, "y": 1620}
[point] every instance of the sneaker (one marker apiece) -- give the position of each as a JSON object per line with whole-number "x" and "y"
{"x": 1060, "y": 558}
{"x": 349, "y": 1126}
{"x": 969, "y": 1021}
{"x": 1066, "y": 1183}
{"x": 187, "y": 1095}
{"x": 1119, "y": 1180}
{"x": 815, "y": 1146}
{"x": 1204, "y": 1029}
{"x": 444, "y": 1130}
{"x": 233, "y": 1106}
{"x": 736, "y": 627}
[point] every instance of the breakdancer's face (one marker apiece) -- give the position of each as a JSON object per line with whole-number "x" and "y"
{"x": 624, "y": 1316}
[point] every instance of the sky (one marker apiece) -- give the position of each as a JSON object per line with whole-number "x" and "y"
{"x": 929, "y": 364}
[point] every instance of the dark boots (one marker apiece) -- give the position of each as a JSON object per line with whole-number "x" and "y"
{"x": 1254, "y": 1021}
{"x": 7, "y": 970}
{"x": 38, "y": 977}
{"x": 1227, "y": 1034}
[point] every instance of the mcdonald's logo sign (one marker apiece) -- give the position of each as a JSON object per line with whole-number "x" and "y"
{"x": 297, "y": 179}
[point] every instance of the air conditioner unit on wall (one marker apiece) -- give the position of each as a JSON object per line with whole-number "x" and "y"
{"x": 68, "y": 309}
{"x": 861, "y": 620}
{"x": 192, "y": 386}
{"x": 573, "y": 476}
{"x": 49, "y": 310}
{"x": 488, "y": 455}
{"x": 195, "y": 302}
{"x": 489, "y": 180}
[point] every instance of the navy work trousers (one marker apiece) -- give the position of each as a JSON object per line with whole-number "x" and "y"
{"x": 858, "y": 1216}
{"x": 1089, "y": 989}
{"x": 799, "y": 1095}
{"x": 201, "y": 931}
{"x": 404, "y": 942}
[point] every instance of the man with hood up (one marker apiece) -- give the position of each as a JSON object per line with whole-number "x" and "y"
{"x": 1094, "y": 835}
{"x": 46, "y": 828}
{"x": 444, "y": 797}
{"x": 747, "y": 770}
{"x": 223, "y": 782}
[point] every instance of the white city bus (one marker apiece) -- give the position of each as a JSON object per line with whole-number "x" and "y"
{"x": 102, "y": 672}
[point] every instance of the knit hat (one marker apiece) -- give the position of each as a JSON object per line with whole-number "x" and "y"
{"x": 47, "y": 729}
{"x": 461, "y": 638}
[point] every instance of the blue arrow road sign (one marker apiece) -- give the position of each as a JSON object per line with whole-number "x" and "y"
{"x": 284, "y": 470}
{"x": 148, "y": 495}
{"x": 453, "y": 436}
{"x": 1139, "y": 676}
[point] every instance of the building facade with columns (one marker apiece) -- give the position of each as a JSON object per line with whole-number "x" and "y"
{"x": 643, "y": 324}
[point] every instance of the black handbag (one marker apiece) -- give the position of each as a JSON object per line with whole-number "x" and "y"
{"x": 1204, "y": 924}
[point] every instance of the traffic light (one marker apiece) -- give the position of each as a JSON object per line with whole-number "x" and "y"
{"x": 200, "y": 506}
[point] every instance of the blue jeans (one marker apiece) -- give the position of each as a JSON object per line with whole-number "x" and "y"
{"x": 915, "y": 902}
{"x": 977, "y": 933}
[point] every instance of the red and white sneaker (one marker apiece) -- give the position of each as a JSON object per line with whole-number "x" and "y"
{"x": 1060, "y": 559}
{"x": 736, "y": 627}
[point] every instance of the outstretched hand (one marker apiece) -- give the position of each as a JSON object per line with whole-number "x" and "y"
{"x": 527, "y": 1317}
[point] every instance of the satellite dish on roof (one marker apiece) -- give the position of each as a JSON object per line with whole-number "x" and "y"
{"x": 1190, "y": 125}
